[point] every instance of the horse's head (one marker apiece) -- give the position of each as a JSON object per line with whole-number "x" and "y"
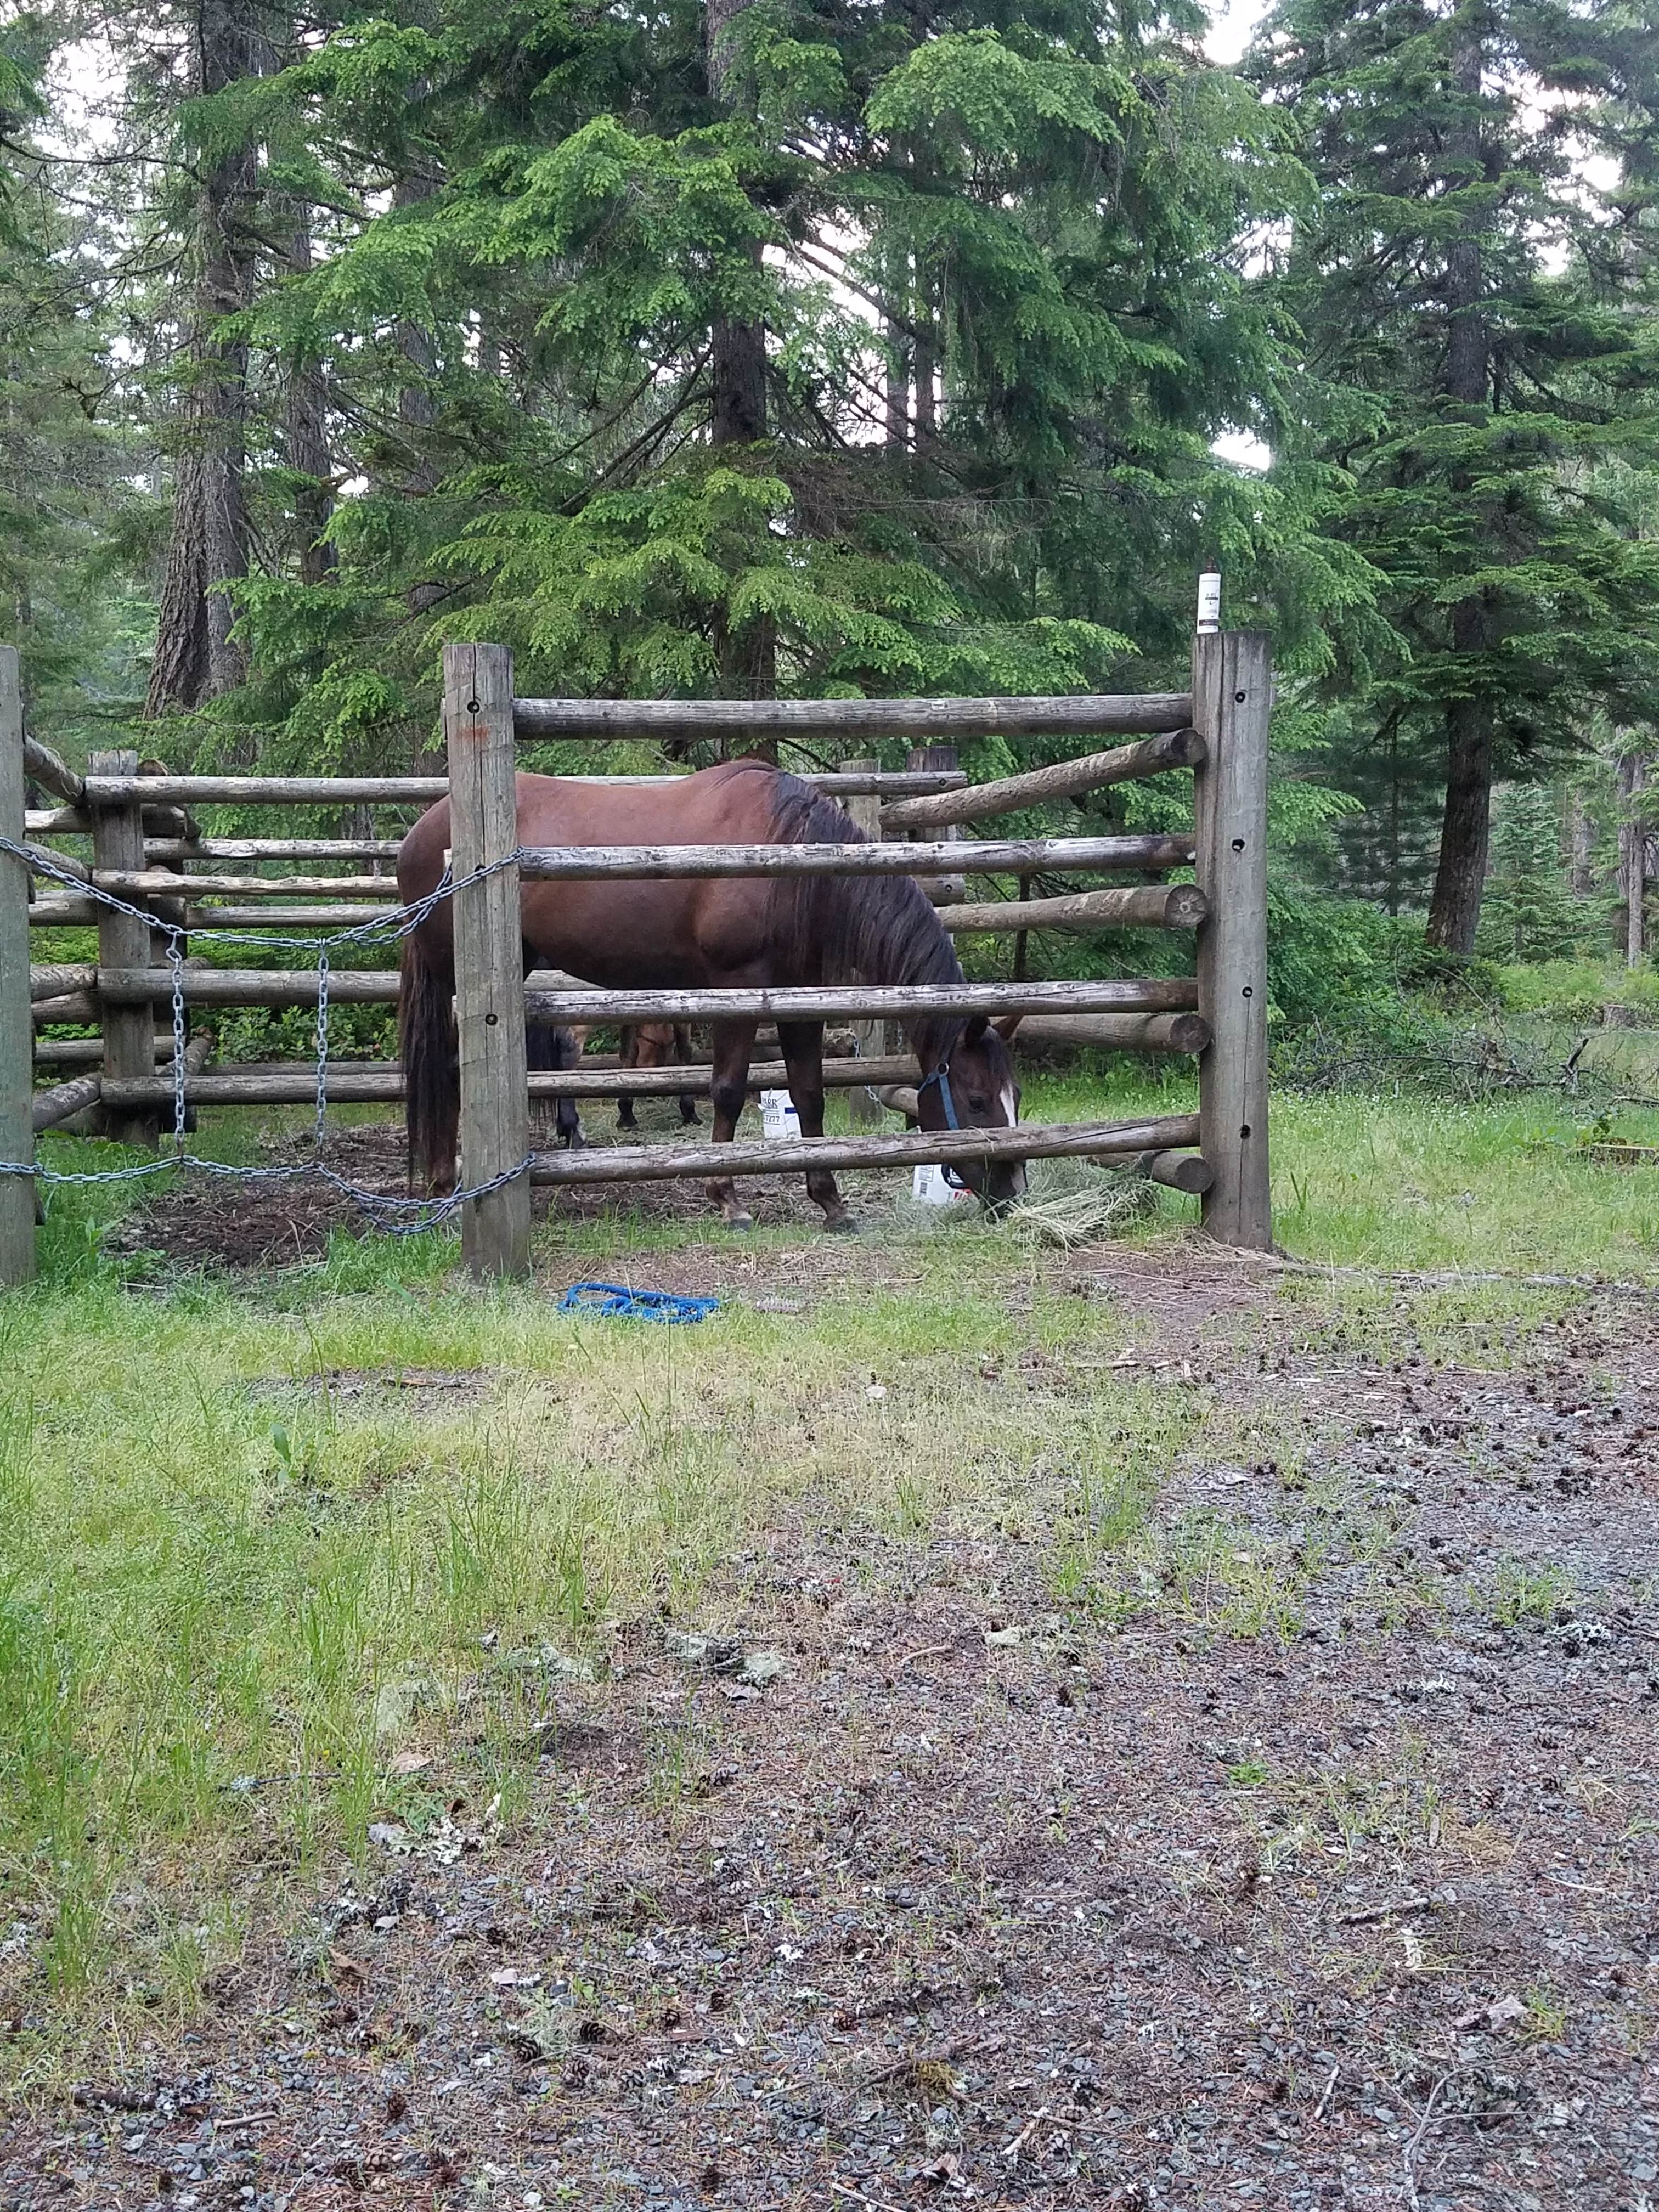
{"x": 973, "y": 1087}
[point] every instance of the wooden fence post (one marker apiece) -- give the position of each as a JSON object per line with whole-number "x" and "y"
{"x": 942, "y": 890}
{"x": 117, "y": 842}
{"x": 16, "y": 1029}
{"x": 865, "y": 813}
{"x": 483, "y": 826}
{"x": 1232, "y": 704}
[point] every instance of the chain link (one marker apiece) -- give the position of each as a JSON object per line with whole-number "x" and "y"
{"x": 398, "y": 1217}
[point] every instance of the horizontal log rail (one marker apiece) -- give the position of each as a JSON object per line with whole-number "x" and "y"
{"x": 873, "y": 1001}
{"x": 1183, "y": 1033}
{"x": 64, "y": 863}
{"x": 62, "y": 910}
{"x": 248, "y": 987}
{"x": 48, "y": 1108}
{"x": 42, "y": 766}
{"x": 423, "y": 790}
{"x": 263, "y": 986}
{"x": 918, "y": 721}
{"x": 300, "y": 920}
{"x": 51, "y": 982}
{"x": 163, "y": 882}
{"x": 80, "y": 1052}
{"x": 1150, "y": 906}
{"x": 1029, "y": 1141}
{"x": 1041, "y": 786}
{"x": 1176, "y": 1170}
{"x": 267, "y": 790}
{"x": 355, "y": 1086}
{"x": 272, "y": 848}
{"x": 78, "y": 1006}
{"x": 986, "y": 857}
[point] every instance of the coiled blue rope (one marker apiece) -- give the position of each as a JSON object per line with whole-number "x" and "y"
{"x": 623, "y": 1304}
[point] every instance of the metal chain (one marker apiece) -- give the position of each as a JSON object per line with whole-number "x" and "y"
{"x": 398, "y": 1217}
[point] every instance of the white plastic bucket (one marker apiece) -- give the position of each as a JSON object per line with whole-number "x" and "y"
{"x": 929, "y": 1188}
{"x": 780, "y": 1122}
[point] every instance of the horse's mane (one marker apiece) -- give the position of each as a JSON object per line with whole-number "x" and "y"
{"x": 844, "y": 929}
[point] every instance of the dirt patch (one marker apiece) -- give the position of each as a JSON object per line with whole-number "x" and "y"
{"x": 1304, "y": 1858}
{"x": 223, "y": 1223}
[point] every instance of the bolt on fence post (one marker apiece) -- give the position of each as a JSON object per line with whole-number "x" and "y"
{"x": 16, "y": 1024}
{"x": 1232, "y": 703}
{"x": 484, "y": 827}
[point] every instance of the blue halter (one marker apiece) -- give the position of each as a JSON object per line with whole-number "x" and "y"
{"x": 941, "y": 1075}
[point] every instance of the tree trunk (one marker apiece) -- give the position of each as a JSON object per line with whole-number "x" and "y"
{"x": 305, "y": 437}
{"x": 195, "y": 658}
{"x": 1460, "y": 877}
{"x": 1632, "y": 856}
{"x": 747, "y": 659}
{"x": 1581, "y": 844}
{"x": 1466, "y": 827}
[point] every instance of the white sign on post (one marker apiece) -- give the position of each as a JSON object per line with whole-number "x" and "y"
{"x": 780, "y": 1122}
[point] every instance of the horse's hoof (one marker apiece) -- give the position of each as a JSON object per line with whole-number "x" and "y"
{"x": 739, "y": 1221}
{"x": 840, "y": 1224}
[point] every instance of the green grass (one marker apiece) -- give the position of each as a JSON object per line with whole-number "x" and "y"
{"x": 239, "y": 1574}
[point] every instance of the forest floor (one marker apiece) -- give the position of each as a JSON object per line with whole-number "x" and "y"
{"x": 1124, "y": 1728}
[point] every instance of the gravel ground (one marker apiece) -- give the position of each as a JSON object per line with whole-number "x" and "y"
{"x": 1304, "y": 1858}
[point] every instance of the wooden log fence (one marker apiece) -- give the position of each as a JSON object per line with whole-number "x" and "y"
{"x": 986, "y": 857}
{"x": 136, "y": 822}
{"x": 17, "y": 1034}
{"x": 64, "y": 1100}
{"x": 922, "y": 721}
{"x": 1150, "y": 906}
{"x": 1029, "y": 1141}
{"x": 1041, "y": 786}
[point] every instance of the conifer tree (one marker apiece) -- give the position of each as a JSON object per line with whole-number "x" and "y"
{"x": 1479, "y": 335}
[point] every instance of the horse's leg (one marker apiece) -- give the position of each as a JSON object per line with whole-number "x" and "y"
{"x": 683, "y": 1054}
{"x": 734, "y": 1045}
{"x": 629, "y": 1056}
{"x": 802, "y": 1046}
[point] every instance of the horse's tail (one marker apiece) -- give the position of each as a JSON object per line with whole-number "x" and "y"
{"x": 432, "y": 1074}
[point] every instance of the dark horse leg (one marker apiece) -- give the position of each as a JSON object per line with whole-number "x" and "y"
{"x": 802, "y": 1046}
{"x": 683, "y": 1054}
{"x": 629, "y": 1057}
{"x": 734, "y": 1045}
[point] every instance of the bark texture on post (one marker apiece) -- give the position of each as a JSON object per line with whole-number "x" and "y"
{"x": 16, "y": 1029}
{"x": 942, "y": 890}
{"x": 865, "y": 811}
{"x": 489, "y": 957}
{"x": 1232, "y": 687}
{"x": 117, "y": 842}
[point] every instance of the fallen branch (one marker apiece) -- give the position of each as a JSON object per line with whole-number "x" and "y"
{"x": 1383, "y": 1911}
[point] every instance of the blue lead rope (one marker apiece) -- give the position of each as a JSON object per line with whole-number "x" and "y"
{"x": 612, "y": 1299}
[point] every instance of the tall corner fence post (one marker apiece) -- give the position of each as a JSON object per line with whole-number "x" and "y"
{"x": 117, "y": 842}
{"x": 1232, "y": 704}
{"x": 483, "y": 828}
{"x": 16, "y": 1024}
{"x": 943, "y": 890}
{"x": 865, "y": 812}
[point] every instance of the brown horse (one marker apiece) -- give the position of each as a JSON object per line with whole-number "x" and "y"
{"x": 644, "y": 1045}
{"x": 686, "y": 934}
